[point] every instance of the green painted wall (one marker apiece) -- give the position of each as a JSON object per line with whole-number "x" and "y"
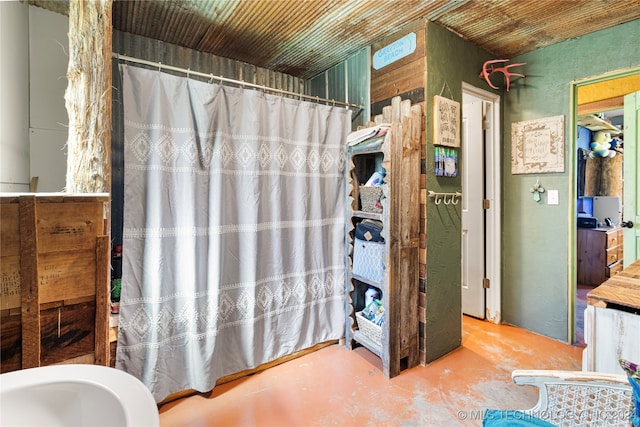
{"x": 537, "y": 242}
{"x": 450, "y": 61}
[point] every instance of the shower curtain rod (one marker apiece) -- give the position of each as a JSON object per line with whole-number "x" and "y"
{"x": 189, "y": 72}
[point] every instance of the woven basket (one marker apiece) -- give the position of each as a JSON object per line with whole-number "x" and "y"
{"x": 368, "y": 328}
{"x": 369, "y": 196}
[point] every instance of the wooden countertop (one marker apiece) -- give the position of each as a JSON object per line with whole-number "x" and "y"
{"x": 621, "y": 289}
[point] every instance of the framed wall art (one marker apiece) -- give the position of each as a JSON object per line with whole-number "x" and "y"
{"x": 446, "y": 122}
{"x": 537, "y": 146}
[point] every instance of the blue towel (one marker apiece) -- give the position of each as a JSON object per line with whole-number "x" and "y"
{"x": 511, "y": 418}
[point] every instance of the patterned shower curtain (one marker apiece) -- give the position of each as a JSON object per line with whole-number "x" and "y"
{"x": 233, "y": 229}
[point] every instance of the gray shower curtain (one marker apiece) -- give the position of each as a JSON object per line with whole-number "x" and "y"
{"x": 233, "y": 236}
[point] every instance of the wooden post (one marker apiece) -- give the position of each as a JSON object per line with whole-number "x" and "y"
{"x": 88, "y": 101}
{"x": 102, "y": 301}
{"x": 30, "y": 299}
{"x": 88, "y": 97}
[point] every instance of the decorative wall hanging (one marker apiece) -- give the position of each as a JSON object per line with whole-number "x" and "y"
{"x": 394, "y": 51}
{"x": 537, "y": 190}
{"x": 488, "y": 69}
{"x": 537, "y": 146}
{"x": 446, "y": 122}
{"x": 446, "y": 161}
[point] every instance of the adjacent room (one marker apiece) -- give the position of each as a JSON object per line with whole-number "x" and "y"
{"x": 265, "y": 212}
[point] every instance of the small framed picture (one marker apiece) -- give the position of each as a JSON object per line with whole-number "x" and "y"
{"x": 446, "y": 161}
{"x": 537, "y": 146}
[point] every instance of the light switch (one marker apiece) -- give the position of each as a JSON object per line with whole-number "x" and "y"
{"x": 552, "y": 197}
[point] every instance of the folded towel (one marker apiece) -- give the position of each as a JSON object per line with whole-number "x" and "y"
{"x": 365, "y": 134}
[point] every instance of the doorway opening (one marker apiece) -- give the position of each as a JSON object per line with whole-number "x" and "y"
{"x": 481, "y": 202}
{"x": 605, "y": 98}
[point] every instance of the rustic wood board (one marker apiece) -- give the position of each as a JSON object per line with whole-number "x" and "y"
{"x": 67, "y": 332}
{"x": 102, "y": 291}
{"x": 11, "y": 342}
{"x": 69, "y": 226}
{"x": 9, "y": 230}
{"x": 405, "y": 74}
{"x": 401, "y": 159}
{"x": 55, "y": 269}
{"x": 66, "y": 275}
{"x": 622, "y": 289}
{"x": 29, "y": 302}
{"x": 10, "y": 286}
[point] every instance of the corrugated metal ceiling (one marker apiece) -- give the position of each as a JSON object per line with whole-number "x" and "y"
{"x": 305, "y": 37}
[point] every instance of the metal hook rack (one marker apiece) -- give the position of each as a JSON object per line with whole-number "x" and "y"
{"x": 446, "y": 198}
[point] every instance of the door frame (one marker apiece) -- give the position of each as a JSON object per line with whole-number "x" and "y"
{"x": 573, "y": 185}
{"x": 493, "y": 217}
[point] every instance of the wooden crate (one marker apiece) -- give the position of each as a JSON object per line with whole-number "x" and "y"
{"x": 54, "y": 294}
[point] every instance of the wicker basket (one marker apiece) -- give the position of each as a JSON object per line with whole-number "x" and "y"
{"x": 368, "y": 328}
{"x": 369, "y": 196}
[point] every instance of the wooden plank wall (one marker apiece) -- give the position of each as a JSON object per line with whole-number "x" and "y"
{"x": 406, "y": 78}
{"x": 55, "y": 280}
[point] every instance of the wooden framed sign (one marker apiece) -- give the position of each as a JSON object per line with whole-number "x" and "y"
{"x": 446, "y": 122}
{"x": 537, "y": 146}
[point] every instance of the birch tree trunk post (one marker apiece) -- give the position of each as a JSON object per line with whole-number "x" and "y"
{"x": 88, "y": 97}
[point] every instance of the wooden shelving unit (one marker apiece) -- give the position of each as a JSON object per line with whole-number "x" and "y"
{"x": 399, "y": 156}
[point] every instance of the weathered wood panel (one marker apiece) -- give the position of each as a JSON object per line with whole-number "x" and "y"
{"x": 67, "y": 332}
{"x": 102, "y": 301}
{"x": 10, "y": 291}
{"x": 400, "y": 156}
{"x": 29, "y": 302}
{"x": 66, "y": 275}
{"x": 10, "y": 341}
{"x": 55, "y": 280}
{"x": 69, "y": 226}
{"x": 405, "y": 74}
{"x": 9, "y": 230}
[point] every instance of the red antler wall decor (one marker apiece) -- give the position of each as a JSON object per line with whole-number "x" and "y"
{"x": 488, "y": 68}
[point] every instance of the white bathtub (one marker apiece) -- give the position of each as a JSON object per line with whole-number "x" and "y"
{"x": 75, "y": 395}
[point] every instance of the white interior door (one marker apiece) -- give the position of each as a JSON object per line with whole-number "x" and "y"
{"x": 473, "y": 224}
{"x": 631, "y": 195}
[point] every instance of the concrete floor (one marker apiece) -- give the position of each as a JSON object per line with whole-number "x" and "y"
{"x": 338, "y": 387}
